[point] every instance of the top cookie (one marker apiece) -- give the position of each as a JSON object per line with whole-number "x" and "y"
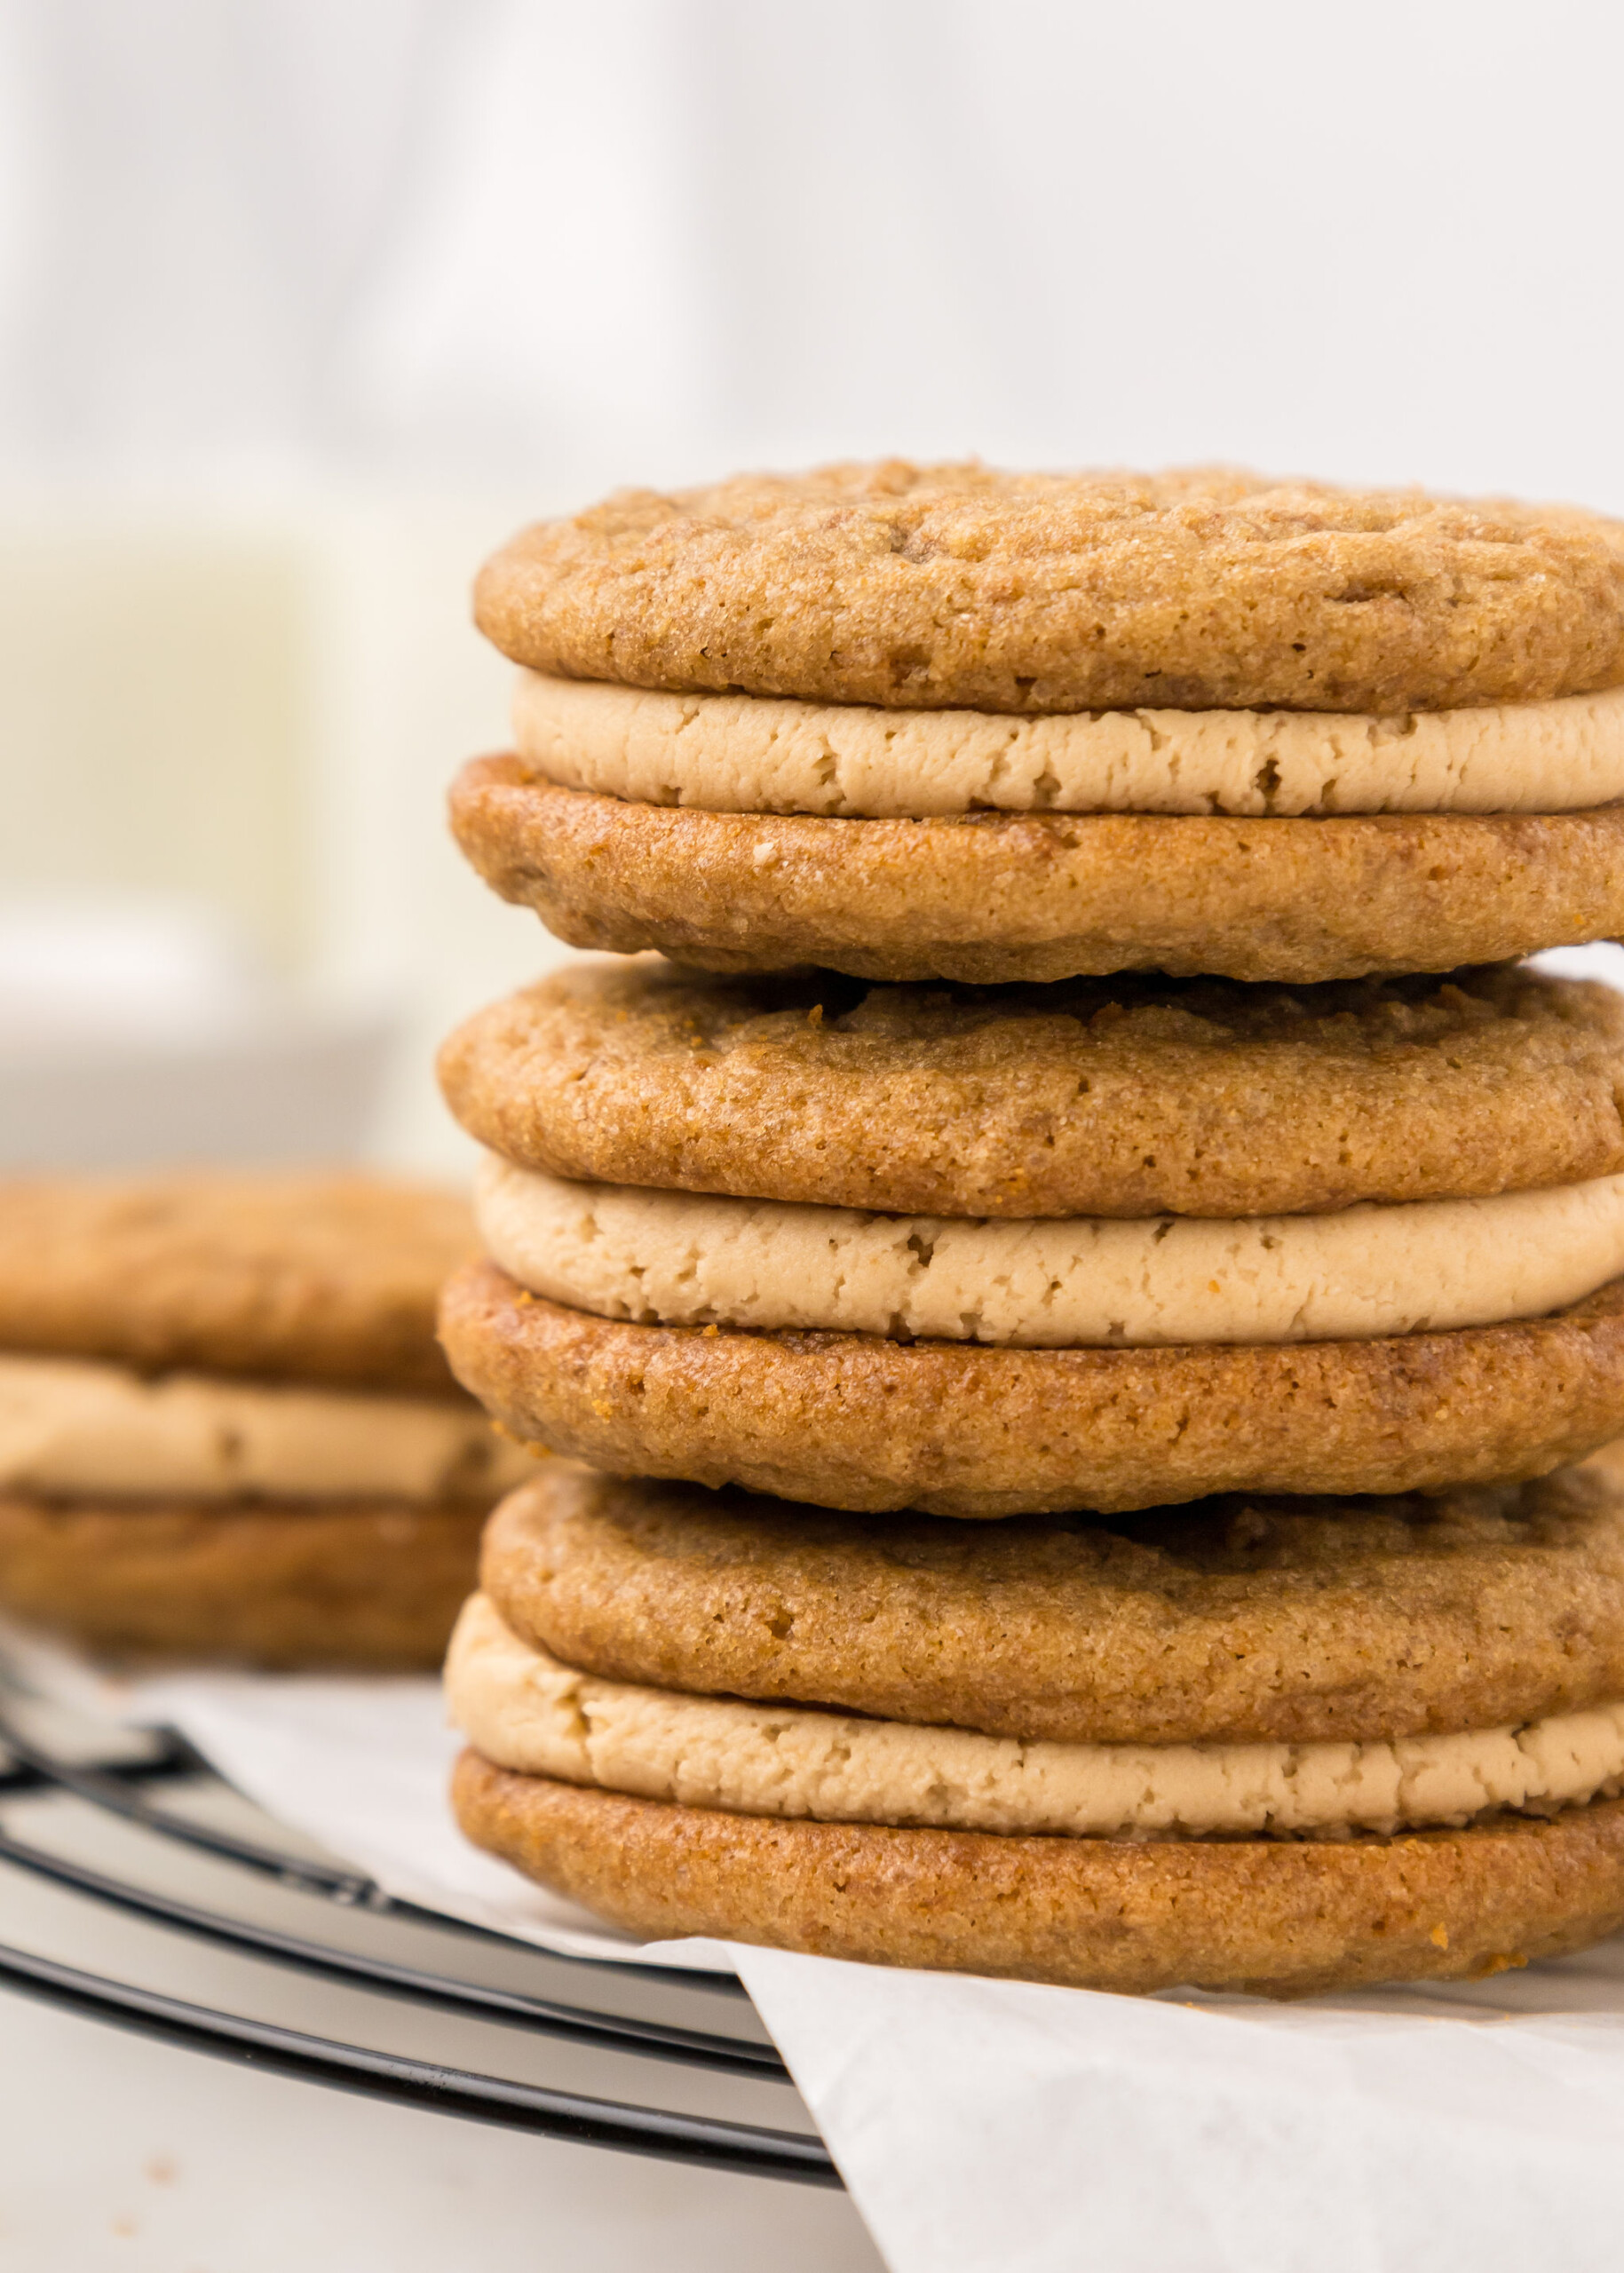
{"x": 306, "y": 1277}
{"x": 1123, "y": 1096}
{"x": 960, "y": 587}
{"x": 1242, "y": 1620}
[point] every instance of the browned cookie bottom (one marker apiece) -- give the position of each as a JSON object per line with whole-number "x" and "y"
{"x": 989, "y": 897}
{"x": 368, "y": 1585}
{"x": 1282, "y": 1918}
{"x": 959, "y": 1429}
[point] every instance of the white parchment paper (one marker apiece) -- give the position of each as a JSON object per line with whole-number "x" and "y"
{"x": 990, "y": 2127}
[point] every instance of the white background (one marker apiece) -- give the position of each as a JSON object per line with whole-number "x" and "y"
{"x": 545, "y": 249}
{"x": 344, "y": 289}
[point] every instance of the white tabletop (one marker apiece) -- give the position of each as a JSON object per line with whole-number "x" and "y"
{"x": 119, "y": 2153}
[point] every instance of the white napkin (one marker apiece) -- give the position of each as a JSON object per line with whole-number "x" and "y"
{"x": 990, "y": 2127}
{"x": 994, "y": 2127}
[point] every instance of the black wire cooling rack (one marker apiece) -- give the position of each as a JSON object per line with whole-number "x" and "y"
{"x": 136, "y": 1838}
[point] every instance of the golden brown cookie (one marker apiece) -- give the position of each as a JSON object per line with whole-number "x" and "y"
{"x": 1236, "y": 1620}
{"x": 323, "y": 1277}
{"x": 1283, "y": 1918}
{"x": 371, "y": 1585}
{"x": 993, "y": 897}
{"x": 959, "y": 586}
{"x": 958, "y": 1429}
{"x": 1130, "y": 1098}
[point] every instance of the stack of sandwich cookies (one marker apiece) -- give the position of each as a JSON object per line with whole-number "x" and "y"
{"x": 226, "y": 1431}
{"x": 1342, "y": 1217}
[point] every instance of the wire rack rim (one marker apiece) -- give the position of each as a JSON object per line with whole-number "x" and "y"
{"x": 469, "y": 2094}
{"x": 462, "y": 2092}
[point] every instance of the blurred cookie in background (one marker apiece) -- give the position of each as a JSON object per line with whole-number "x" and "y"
{"x": 226, "y": 1432}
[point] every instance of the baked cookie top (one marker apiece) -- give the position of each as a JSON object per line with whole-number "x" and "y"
{"x": 1123, "y": 1096}
{"x": 320, "y": 1278}
{"x": 962, "y": 587}
{"x": 1237, "y": 1619}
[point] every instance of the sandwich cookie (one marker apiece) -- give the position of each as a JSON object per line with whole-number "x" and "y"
{"x": 1368, "y": 1331}
{"x": 251, "y": 1502}
{"x": 917, "y": 723}
{"x": 1079, "y": 1822}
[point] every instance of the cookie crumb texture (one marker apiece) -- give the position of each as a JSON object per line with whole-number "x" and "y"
{"x": 990, "y": 897}
{"x": 954, "y": 1428}
{"x": 325, "y": 1279}
{"x": 1281, "y": 1918}
{"x": 962, "y": 587}
{"x": 355, "y": 1584}
{"x": 1125, "y": 1098}
{"x": 1243, "y": 1620}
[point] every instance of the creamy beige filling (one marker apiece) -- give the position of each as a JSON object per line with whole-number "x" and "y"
{"x": 525, "y": 1711}
{"x": 70, "y": 1426}
{"x": 686, "y": 1259}
{"x": 740, "y": 753}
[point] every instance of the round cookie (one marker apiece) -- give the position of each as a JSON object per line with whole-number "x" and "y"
{"x": 321, "y": 1277}
{"x": 1133, "y": 1098}
{"x": 1238, "y": 1620}
{"x": 993, "y": 897}
{"x": 946, "y": 587}
{"x": 1283, "y": 1918}
{"x": 956, "y": 1429}
{"x": 359, "y": 1585}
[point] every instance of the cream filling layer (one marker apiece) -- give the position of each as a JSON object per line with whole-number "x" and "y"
{"x": 523, "y": 1710}
{"x": 677, "y": 1258}
{"x": 70, "y": 1426}
{"x": 742, "y": 753}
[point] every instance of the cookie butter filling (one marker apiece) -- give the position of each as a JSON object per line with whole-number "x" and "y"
{"x": 681, "y": 1259}
{"x": 731, "y": 753}
{"x": 72, "y": 1426}
{"x": 523, "y": 1710}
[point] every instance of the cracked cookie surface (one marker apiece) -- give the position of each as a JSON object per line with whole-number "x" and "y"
{"x": 1248, "y": 1620}
{"x": 1125, "y": 1097}
{"x": 962, "y": 587}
